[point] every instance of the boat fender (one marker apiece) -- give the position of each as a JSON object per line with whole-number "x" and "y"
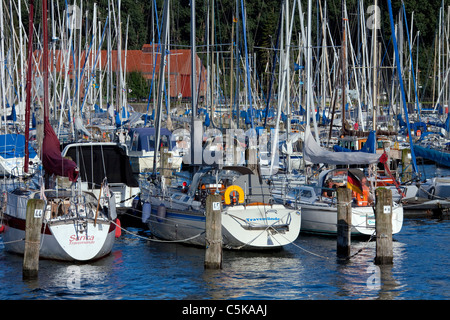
{"x": 146, "y": 210}
{"x": 112, "y": 214}
{"x": 233, "y": 189}
{"x": 2, "y": 228}
{"x": 161, "y": 213}
{"x": 118, "y": 231}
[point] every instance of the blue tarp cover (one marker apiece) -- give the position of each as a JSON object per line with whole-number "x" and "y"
{"x": 13, "y": 145}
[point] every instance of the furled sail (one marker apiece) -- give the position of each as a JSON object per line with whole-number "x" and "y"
{"x": 52, "y": 159}
{"x": 314, "y": 153}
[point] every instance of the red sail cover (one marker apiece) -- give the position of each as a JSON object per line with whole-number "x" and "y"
{"x": 52, "y": 159}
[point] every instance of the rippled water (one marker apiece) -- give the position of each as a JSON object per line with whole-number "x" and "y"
{"x": 308, "y": 269}
{"x": 139, "y": 269}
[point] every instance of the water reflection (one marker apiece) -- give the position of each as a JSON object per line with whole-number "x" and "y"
{"x": 307, "y": 269}
{"x": 360, "y": 278}
{"x": 256, "y": 275}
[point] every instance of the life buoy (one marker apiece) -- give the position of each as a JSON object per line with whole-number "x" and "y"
{"x": 234, "y": 189}
{"x": 104, "y": 135}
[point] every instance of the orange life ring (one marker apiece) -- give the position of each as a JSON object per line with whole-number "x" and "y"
{"x": 104, "y": 135}
{"x": 234, "y": 188}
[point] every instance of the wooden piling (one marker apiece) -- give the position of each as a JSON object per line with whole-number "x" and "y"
{"x": 406, "y": 165}
{"x": 383, "y": 226}
{"x": 35, "y": 212}
{"x": 213, "y": 252}
{"x": 252, "y": 159}
{"x": 344, "y": 221}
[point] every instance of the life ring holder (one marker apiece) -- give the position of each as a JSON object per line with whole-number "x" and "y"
{"x": 228, "y": 192}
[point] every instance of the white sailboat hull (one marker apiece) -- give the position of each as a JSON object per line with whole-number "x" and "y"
{"x": 323, "y": 220}
{"x": 62, "y": 242}
{"x": 246, "y": 227}
{"x": 67, "y": 237}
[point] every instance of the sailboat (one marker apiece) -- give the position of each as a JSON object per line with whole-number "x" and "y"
{"x": 319, "y": 203}
{"x": 250, "y": 219}
{"x": 76, "y": 226}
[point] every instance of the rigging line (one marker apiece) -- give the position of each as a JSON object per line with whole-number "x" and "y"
{"x": 156, "y": 240}
{"x": 13, "y": 241}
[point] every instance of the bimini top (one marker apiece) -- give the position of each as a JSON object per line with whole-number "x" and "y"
{"x": 143, "y": 139}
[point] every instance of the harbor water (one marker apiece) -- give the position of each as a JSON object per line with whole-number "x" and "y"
{"x": 143, "y": 269}
{"x": 308, "y": 269}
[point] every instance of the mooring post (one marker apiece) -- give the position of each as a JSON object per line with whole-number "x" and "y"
{"x": 383, "y": 226}
{"x": 344, "y": 221}
{"x": 213, "y": 252}
{"x": 33, "y": 225}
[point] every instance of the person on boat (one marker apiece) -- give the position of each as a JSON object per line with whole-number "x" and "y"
{"x": 366, "y": 198}
{"x": 329, "y": 188}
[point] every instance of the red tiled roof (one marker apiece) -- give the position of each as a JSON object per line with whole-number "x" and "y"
{"x": 143, "y": 61}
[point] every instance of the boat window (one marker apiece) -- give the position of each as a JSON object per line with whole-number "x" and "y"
{"x": 151, "y": 142}
{"x": 305, "y": 193}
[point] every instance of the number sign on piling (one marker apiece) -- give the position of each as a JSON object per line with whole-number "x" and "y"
{"x": 383, "y": 226}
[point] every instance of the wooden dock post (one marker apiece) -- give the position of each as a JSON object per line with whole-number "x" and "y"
{"x": 383, "y": 226}
{"x": 406, "y": 165}
{"x": 344, "y": 221}
{"x": 213, "y": 253}
{"x": 35, "y": 212}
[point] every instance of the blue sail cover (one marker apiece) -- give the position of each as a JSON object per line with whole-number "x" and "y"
{"x": 13, "y": 146}
{"x": 440, "y": 157}
{"x": 368, "y": 146}
{"x": 146, "y": 138}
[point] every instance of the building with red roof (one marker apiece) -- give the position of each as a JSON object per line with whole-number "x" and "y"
{"x": 143, "y": 61}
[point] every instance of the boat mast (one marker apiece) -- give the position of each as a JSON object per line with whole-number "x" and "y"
{"x": 162, "y": 65}
{"x": 28, "y": 85}
{"x": 400, "y": 79}
{"x": 374, "y": 57}
{"x": 193, "y": 81}
{"x": 45, "y": 58}
{"x": 344, "y": 67}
